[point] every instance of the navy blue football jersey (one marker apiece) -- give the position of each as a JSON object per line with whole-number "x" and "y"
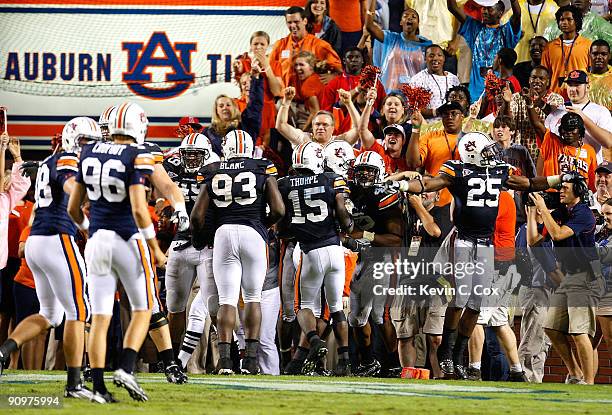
{"x": 310, "y": 202}
{"x": 476, "y": 192}
{"x": 189, "y": 183}
{"x": 51, "y": 216}
{"x": 372, "y": 205}
{"x": 236, "y": 190}
{"x": 108, "y": 170}
{"x": 155, "y": 151}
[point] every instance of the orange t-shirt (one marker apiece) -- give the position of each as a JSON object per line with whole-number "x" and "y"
{"x": 346, "y": 14}
{"x": 350, "y": 263}
{"x": 311, "y": 87}
{"x": 16, "y": 226}
{"x": 505, "y": 224}
{"x": 392, "y": 165}
{"x": 24, "y": 275}
{"x": 560, "y": 158}
{"x": 286, "y": 49}
{"x": 435, "y": 149}
{"x": 554, "y": 60}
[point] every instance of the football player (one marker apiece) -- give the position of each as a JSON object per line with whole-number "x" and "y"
{"x": 158, "y": 326}
{"x": 475, "y": 181}
{"x": 113, "y": 177}
{"x": 185, "y": 262}
{"x": 315, "y": 200}
{"x": 378, "y": 223}
{"x": 238, "y": 192}
{"x": 54, "y": 258}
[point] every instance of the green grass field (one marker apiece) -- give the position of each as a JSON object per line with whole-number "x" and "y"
{"x": 304, "y": 395}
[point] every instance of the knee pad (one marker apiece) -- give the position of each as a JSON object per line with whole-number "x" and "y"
{"x": 158, "y": 320}
{"x": 338, "y": 317}
{"x": 54, "y": 318}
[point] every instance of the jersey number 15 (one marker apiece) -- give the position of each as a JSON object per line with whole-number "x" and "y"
{"x": 312, "y": 206}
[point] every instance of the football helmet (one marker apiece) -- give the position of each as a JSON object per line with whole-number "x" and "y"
{"x": 339, "y": 156}
{"x": 309, "y": 156}
{"x": 478, "y": 149}
{"x": 129, "y": 119}
{"x": 368, "y": 169}
{"x": 194, "y": 151}
{"x": 78, "y": 129}
{"x": 237, "y": 143}
{"x": 103, "y": 122}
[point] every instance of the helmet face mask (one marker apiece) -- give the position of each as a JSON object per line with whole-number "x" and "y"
{"x": 339, "y": 157}
{"x": 490, "y": 154}
{"x": 78, "y": 132}
{"x": 193, "y": 159}
{"x": 365, "y": 176}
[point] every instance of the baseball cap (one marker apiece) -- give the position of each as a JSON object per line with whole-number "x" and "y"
{"x": 577, "y": 77}
{"x": 448, "y": 106}
{"x": 605, "y": 167}
{"x": 394, "y": 127}
{"x": 190, "y": 120}
{"x": 489, "y": 3}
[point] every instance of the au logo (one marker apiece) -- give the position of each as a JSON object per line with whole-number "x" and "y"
{"x": 176, "y": 57}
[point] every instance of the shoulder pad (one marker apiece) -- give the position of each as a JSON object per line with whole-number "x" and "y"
{"x": 389, "y": 200}
{"x": 67, "y": 162}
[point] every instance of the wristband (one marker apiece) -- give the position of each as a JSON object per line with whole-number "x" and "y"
{"x": 404, "y": 185}
{"x": 84, "y": 225}
{"x": 368, "y": 236}
{"x": 180, "y": 207}
{"x": 148, "y": 232}
{"x": 160, "y": 199}
{"x": 553, "y": 180}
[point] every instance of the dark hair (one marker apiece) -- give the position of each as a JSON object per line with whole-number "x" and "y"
{"x": 600, "y": 42}
{"x": 296, "y": 9}
{"x": 433, "y": 45}
{"x": 538, "y": 38}
{"x": 576, "y": 14}
{"x": 504, "y": 120}
{"x": 501, "y": 6}
{"x": 310, "y": 17}
{"x": 542, "y": 68}
{"x": 508, "y": 57}
{"x": 459, "y": 88}
{"x": 356, "y": 49}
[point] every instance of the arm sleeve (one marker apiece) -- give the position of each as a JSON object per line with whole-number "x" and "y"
{"x": 19, "y": 185}
{"x": 142, "y": 168}
{"x": 251, "y": 116}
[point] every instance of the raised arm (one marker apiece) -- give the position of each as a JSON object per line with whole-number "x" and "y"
{"x": 372, "y": 27}
{"x": 275, "y": 84}
{"x": 352, "y": 135}
{"x": 455, "y": 10}
{"x": 367, "y": 138}
{"x": 413, "y": 153}
{"x": 515, "y": 20}
{"x": 426, "y": 184}
{"x": 294, "y": 135}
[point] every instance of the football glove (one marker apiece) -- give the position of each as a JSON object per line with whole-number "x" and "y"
{"x": 181, "y": 218}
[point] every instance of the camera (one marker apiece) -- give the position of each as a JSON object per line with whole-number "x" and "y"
{"x": 552, "y": 199}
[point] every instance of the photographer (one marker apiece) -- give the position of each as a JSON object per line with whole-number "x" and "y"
{"x": 536, "y": 261}
{"x": 571, "y": 312}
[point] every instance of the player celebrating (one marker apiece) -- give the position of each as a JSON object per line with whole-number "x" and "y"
{"x": 54, "y": 258}
{"x": 113, "y": 175}
{"x": 238, "y": 193}
{"x": 184, "y": 261}
{"x": 314, "y": 201}
{"x": 475, "y": 182}
{"x": 378, "y": 222}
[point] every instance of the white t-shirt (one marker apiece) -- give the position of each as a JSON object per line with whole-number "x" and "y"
{"x": 437, "y": 84}
{"x": 597, "y": 113}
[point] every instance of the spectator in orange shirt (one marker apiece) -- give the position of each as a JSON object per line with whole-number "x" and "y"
{"x": 569, "y": 52}
{"x": 321, "y": 25}
{"x": 272, "y": 83}
{"x": 394, "y": 138}
{"x": 309, "y": 86}
{"x": 26, "y": 304}
{"x": 348, "y": 15}
{"x": 433, "y": 148}
{"x": 563, "y": 150}
{"x": 286, "y": 49}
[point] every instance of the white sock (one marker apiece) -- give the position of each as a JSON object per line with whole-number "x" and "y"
{"x": 475, "y": 365}
{"x": 516, "y": 368}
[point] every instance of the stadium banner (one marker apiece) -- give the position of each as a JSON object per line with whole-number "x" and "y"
{"x": 61, "y": 59}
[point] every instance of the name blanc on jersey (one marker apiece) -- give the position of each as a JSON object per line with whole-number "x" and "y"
{"x": 234, "y": 165}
